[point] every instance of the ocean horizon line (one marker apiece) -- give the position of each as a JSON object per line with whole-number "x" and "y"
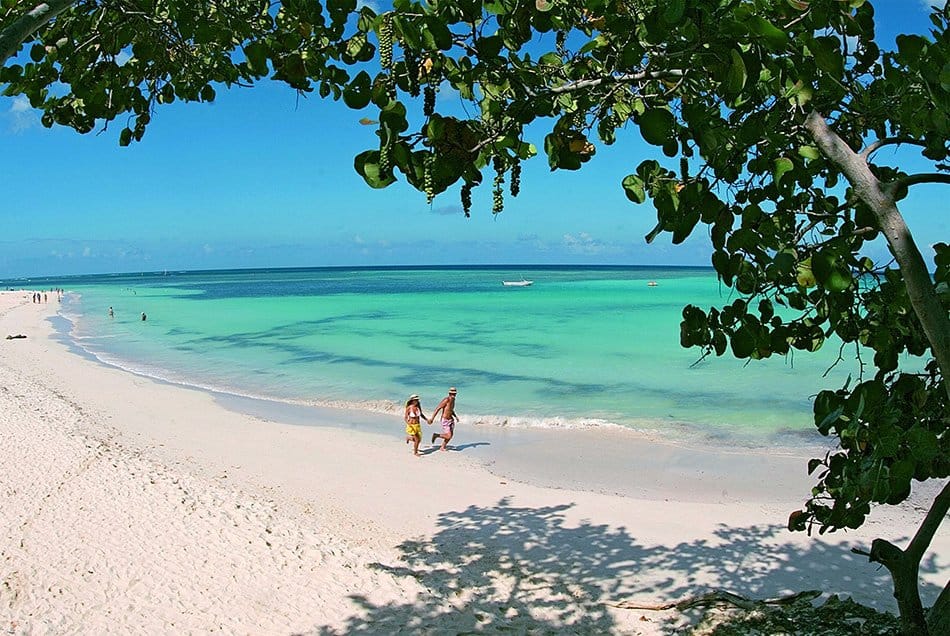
{"x": 364, "y": 268}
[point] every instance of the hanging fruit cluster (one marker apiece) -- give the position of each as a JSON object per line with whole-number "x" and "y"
{"x": 466, "y": 194}
{"x": 428, "y": 184}
{"x": 411, "y": 60}
{"x": 428, "y": 100}
{"x": 515, "y": 186}
{"x": 498, "y": 197}
{"x": 385, "y": 156}
{"x": 386, "y": 52}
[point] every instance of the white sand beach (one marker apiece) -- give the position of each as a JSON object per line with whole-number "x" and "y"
{"x": 133, "y": 506}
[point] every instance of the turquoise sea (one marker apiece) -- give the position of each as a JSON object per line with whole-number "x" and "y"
{"x": 581, "y": 347}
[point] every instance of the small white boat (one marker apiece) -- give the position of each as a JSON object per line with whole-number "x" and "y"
{"x": 517, "y": 283}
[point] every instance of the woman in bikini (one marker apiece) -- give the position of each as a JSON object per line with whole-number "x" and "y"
{"x": 413, "y": 417}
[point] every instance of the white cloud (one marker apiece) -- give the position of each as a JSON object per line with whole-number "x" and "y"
{"x": 358, "y": 239}
{"x": 583, "y": 243}
{"x": 208, "y": 248}
{"x": 86, "y": 252}
{"x": 21, "y": 115}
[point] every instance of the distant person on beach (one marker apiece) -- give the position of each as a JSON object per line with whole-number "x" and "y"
{"x": 449, "y": 418}
{"x": 144, "y": 316}
{"x": 413, "y": 418}
{"x": 111, "y": 313}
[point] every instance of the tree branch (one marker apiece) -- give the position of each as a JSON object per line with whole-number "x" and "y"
{"x": 889, "y": 141}
{"x": 925, "y": 533}
{"x": 880, "y": 200}
{"x": 29, "y": 23}
{"x": 929, "y": 177}
{"x": 627, "y": 78}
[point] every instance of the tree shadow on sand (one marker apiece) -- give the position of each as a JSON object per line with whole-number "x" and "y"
{"x": 508, "y": 568}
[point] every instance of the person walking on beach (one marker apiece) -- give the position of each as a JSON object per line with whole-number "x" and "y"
{"x": 449, "y": 418}
{"x": 413, "y": 417}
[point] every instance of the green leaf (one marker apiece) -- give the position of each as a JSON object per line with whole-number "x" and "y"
{"x": 809, "y": 152}
{"x": 673, "y": 11}
{"x": 394, "y": 116}
{"x": 805, "y": 276}
{"x": 827, "y": 53}
{"x": 125, "y": 137}
{"x": 782, "y": 166}
{"x": 743, "y": 343}
{"x": 736, "y": 78}
{"x": 497, "y": 7}
{"x": 656, "y": 126}
{"x": 799, "y": 94}
{"x": 358, "y": 93}
{"x": 830, "y": 271}
{"x": 367, "y": 165}
{"x": 901, "y": 472}
{"x": 924, "y": 445}
{"x": 489, "y": 47}
{"x": 910, "y": 47}
{"x": 775, "y": 38}
{"x": 439, "y": 32}
{"x": 945, "y": 77}
{"x": 256, "y": 54}
{"x": 633, "y": 188}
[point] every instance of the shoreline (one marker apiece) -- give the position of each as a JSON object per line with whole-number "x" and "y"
{"x": 507, "y": 388}
{"x": 154, "y": 507}
{"x": 592, "y": 459}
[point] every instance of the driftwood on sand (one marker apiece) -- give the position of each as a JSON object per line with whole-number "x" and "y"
{"x": 719, "y": 597}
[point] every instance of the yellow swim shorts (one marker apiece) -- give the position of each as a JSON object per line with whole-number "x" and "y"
{"x": 413, "y": 429}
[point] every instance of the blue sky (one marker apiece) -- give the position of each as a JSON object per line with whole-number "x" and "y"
{"x": 262, "y": 179}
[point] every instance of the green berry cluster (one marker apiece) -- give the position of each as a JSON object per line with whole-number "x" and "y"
{"x": 386, "y": 53}
{"x": 385, "y": 158}
{"x": 428, "y": 184}
{"x": 428, "y": 100}
{"x": 412, "y": 72}
{"x": 386, "y": 43}
{"x": 580, "y": 120}
{"x": 498, "y": 196}
{"x": 515, "y": 186}
{"x": 466, "y": 194}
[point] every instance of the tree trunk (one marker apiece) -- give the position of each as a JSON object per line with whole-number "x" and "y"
{"x": 938, "y": 618}
{"x": 26, "y": 25}
{"x": 904, "y": 565}
{"x": 904, "y": 571}
{"x": 880, "y": 200}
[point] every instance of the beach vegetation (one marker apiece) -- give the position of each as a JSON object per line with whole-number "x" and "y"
{"x": 86, "y": 65}
{"x": 781, "y": 128}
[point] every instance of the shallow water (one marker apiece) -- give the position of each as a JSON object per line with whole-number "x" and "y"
{"x": 580, "y": 347}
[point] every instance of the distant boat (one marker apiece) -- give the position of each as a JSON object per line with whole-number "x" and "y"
{"x": 652, "y": 283}
{"x": 517, "y": 283}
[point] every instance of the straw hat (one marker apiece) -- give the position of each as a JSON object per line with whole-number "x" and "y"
{"x": 452, "y": 390}
{"x": 412, "y": 397}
